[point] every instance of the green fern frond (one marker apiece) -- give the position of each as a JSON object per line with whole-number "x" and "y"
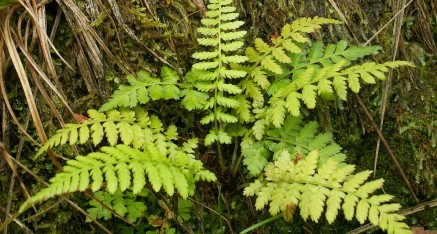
{"x": 302, "y": 71}
{"x": 211, "y": 74}
{"x": 292, "y": 137}
{"x": 320, "y": 74}
{"x": 143, "y": 88}
{"x": 289, "y": 40}
{"x": 123, "y": 167}
{"x": 368, "y": 72}
{"x": 311, "y": 188}
{"x": 130, "y": 127}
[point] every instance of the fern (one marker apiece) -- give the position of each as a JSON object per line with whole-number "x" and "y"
{"x": 143, "y": 88}
{"x": 211, "y": 75}
{"x": 294, "y": 138}
{"x": 123, "y": 167}
{"x": 260, "y": 101}
{"x": 288, "y": 183}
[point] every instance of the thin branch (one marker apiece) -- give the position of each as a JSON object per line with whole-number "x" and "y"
{"x": 215, "y": 212}
{"x": 390, "y": 152}
{"x": 405, "y": 212}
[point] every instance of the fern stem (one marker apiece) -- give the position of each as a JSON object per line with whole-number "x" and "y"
{"x": 219, "y": 150}
{"x": 262, "y": 223}
{"x": 237, "y": 165}
{"x": 220, "y": 156}
{"x": 234, "y": 156}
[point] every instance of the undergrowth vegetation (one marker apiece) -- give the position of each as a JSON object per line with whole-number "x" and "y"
{"x": 253, "y": 108}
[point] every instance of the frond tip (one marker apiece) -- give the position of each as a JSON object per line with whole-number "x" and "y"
{"x": 122, "y": 168}
{"x": 312, "y": 189}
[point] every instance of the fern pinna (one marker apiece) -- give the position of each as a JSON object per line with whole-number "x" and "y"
{"x": 131, "y": 127}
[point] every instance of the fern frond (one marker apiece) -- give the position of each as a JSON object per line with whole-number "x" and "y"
{"x": 318, "y": 73}
{"x": 219, "y": 31}
{"x": 142, "y": 88}
{"x": 311, "y": 189}
{"x": 292, "y": 137}
{"x": 130, "y": 127}
{"x": 368, "y": 72}
{"x": 123, "y": 167}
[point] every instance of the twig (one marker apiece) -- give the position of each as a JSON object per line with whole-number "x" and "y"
{"x": 385, "y": 25}
{"x": 405, "y": 212}
{"x": 74, "y": 205}
{"x": 215, "y": 212}
{"x": 390, "y": 152}
{"x": 18, "y": 222}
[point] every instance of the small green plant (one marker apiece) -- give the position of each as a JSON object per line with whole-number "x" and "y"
{"x": 259, "y": 98}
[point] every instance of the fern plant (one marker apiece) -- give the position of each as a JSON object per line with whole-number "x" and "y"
{"x": 258, "y": 96}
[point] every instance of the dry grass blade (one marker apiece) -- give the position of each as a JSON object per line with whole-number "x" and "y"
{"x": 426, "y": 34}
{"x": 343, "y": 18}
{"x": 5, "y": 155}
{"x": 12, "y": 181}
{"x": 386, "y": 24}
{"x": 43, "y": 35}
{"x": 4, "y": 61}
{"x": 397, "y": 36}
{"x": 21, "y": 72}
